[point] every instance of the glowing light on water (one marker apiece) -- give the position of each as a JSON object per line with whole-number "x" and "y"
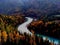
{"x": 53, "y": 40}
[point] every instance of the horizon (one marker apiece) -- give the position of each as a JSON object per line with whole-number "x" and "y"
{"x": 37, "y": 7}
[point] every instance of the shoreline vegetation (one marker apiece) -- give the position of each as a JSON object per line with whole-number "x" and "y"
{"x": 10, "y": 22}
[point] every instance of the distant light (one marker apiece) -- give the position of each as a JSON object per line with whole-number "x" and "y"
{"x": 57, "y": 15}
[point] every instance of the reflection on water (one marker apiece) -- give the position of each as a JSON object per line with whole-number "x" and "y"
{"x": 53, "y": 40}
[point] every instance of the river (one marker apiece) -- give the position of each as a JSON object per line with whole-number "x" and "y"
{"x": 23, "y": 28}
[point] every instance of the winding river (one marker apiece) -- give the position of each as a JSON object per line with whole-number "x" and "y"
{"x": 23, "y": 28}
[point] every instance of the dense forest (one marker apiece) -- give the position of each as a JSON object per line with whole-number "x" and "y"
{"x": 10, "y": 22}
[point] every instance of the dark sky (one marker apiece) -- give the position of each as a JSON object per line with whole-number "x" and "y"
{"x": 38, "y": 6}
